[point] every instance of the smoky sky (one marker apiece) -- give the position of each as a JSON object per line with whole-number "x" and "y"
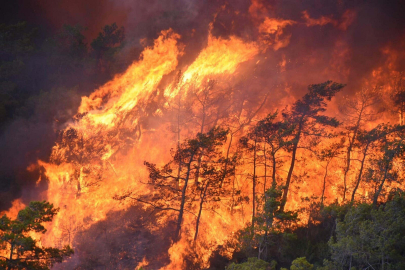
{"x": 377, "y": 25}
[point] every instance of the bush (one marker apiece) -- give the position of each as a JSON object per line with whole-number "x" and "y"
{"x": 252, "y": 264}
{"x": 301, "y": 264}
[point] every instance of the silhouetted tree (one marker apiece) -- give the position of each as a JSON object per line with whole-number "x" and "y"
{"x": 306, "y": 115}
{"x": 276, "y": 136}
{"x": 383, "y": 169}
{"x": 398, "y": 97}
{"x": 176, "y": 191}
{"x": 357, "y": 111}
{"x": 326, "y": 155}
{"x": 366, "y": 141}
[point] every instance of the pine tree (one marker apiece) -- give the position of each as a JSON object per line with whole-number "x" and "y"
{"x": 19, "y": 250}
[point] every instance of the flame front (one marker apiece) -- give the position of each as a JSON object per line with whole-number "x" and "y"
{"x": 101, "y": 153}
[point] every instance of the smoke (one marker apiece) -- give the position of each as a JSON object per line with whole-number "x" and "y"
{"x": 369, "y": 27}
{"x": 24, "y": 141}
{"x": 124, "y": 239}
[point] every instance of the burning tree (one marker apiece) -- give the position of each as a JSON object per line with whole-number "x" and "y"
{"x": 326, "y": 155}
{"x": 367, "y": 143}
{"x": 261, "y": 146}
{"x": 305, "y": 115}
{"x": 103, "y": 149}
{"x": 357, "y": 111}
{"x": 197, "y": 173}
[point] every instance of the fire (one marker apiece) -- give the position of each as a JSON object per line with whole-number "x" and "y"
{"x": 100, "y": 154}
{"x": 12, "y": 212}
{"x": 346, "y": 20}
{"x": 272, "y": 32}
{"x": 124, "y": 92}
{"x": 321, "y": 21}
{"x": 221, "y": 56}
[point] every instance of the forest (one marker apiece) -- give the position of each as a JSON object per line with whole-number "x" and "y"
{"x": 213, "y": 145}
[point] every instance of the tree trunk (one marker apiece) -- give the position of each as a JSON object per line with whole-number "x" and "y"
{"x": 233, "y": 191}
{"x": 348, "y": 159}
{"x": 274, "y": 170}
{"x": 349, "y": 150}
{"x": 197, "y": 171}
{"x": 360, "y": 172}
{"x": 200, "y": 210}
{"x": 382, "y": 262}
{"x": 178, "y": 143}
{"x": 290, "y": 171}
{"x": 183, "y": 200}
{"x": 324, "y": 183}
{"x": 226, "y": 163}
{"x": 254, "y": 183}
{"x": 381, "y": 185}
{"x": 265, "y": 169}
{"x": 11, "y": 256}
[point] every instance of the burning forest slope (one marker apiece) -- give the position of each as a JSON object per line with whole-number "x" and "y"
{"x": 166, "y": 163}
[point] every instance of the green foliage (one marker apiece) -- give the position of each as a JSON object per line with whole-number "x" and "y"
{"x": 21, "y": 250}
{"x": 252, "y": 264}
{"x": 301, "y": 264}
{"x": 371, "y": 236}
{"x": 272, "y": 226}
{"x": 329, "y": 265}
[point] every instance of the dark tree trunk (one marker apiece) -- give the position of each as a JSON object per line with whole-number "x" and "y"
{"x": 254, "y": 183}
{"x": 200, "y": 210}
{"x": 290, "y": 171}
{"x": 349, "y": 151}
{"x": 360, "y": 172}
{"x": 324, "y": 184}
{"x": 377, "y": 193}
{"x": 183, "y": 200}
{"x": 274, "y": 183}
